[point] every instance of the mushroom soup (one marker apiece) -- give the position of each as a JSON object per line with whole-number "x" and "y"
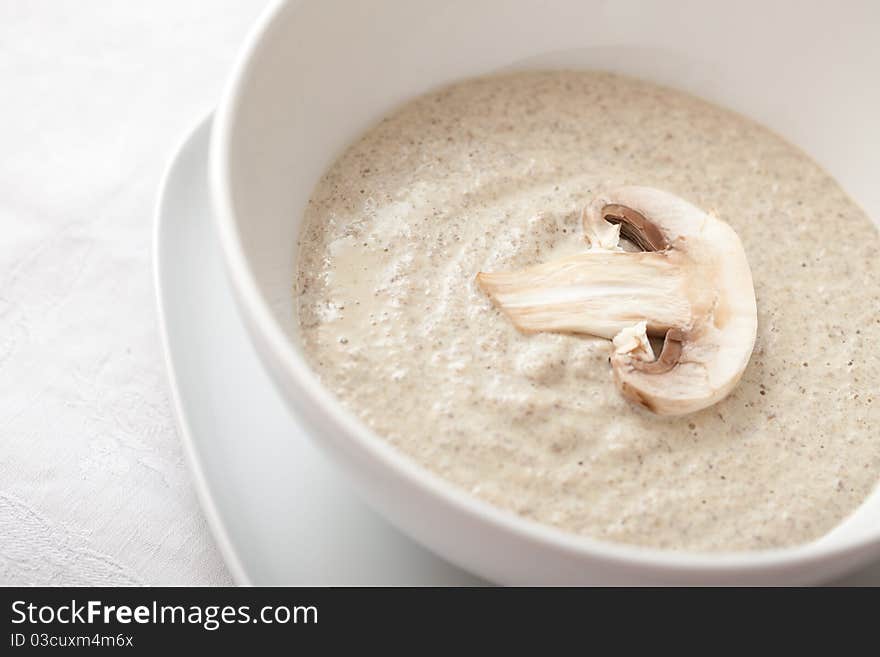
{"x": 481, "y": 275}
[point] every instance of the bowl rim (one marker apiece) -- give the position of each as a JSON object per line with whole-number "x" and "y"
{"x": 366, "y": 443}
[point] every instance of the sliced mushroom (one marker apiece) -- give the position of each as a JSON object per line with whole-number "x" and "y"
{"x": 690, "y": 285}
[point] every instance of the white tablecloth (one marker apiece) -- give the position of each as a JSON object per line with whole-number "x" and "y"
{"x": 94, "y": 95}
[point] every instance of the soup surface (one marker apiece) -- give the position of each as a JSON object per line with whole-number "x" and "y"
{"x": 491, "y": 174}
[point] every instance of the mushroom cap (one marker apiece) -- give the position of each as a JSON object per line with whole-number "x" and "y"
{"x": 701, "y": 361}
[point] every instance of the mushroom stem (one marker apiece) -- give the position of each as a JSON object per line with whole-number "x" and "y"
{"x": 598, "y": 292}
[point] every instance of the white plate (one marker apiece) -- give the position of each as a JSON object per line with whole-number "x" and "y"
{"x": 280, "y": 513}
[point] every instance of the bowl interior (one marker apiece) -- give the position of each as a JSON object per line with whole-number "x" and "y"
{"x": 325, "y": 71}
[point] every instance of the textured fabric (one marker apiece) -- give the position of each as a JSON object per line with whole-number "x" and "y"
{"x": 94, "y": 95}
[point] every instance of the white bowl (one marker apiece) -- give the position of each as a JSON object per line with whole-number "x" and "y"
{"x": 313, "y": 75}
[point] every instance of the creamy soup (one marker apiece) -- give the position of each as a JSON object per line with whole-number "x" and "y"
{"x": 491, "y": 174}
